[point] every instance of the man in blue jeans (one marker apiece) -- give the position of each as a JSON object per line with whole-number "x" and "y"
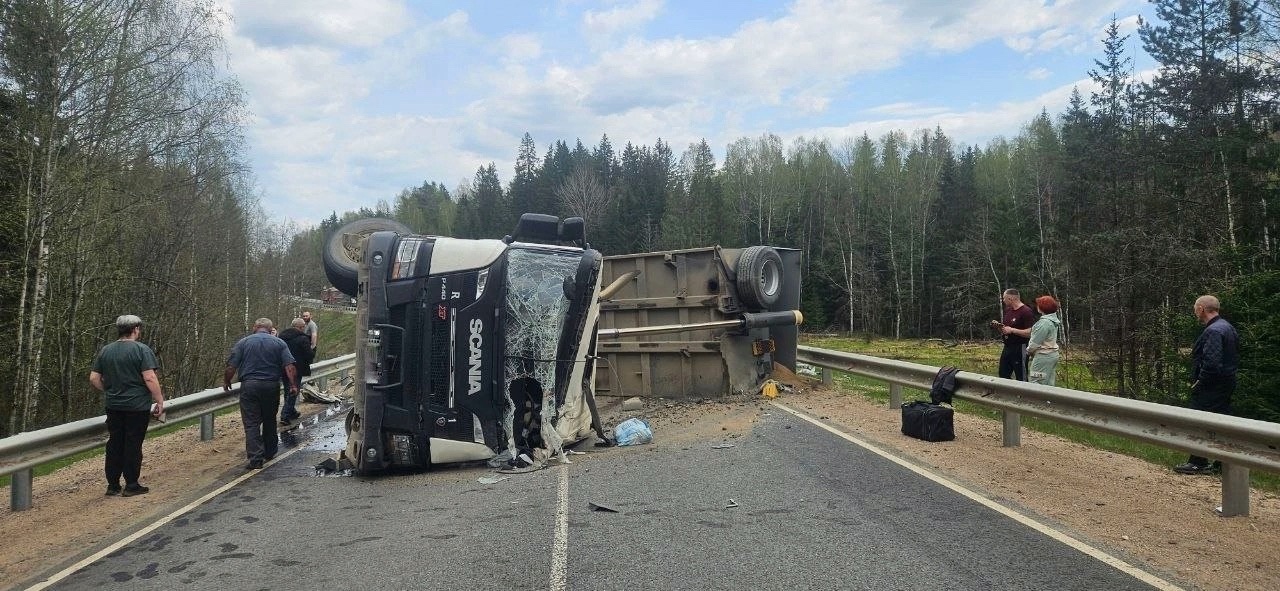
{"x": 262, "y": 360}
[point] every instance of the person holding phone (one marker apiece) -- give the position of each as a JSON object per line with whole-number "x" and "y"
{"x": 1015, "y": 331}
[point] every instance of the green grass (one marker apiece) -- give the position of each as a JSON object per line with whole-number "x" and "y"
{"x": 983, "y": 357}
{"x": 337, "y": 333}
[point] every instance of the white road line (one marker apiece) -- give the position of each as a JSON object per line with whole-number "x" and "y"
{"x": 1116, "y": 563}
{"x": 560, "y": 546}
{"x": 66, "y": 572}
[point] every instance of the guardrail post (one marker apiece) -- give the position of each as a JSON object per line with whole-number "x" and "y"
{"x": 206, "y": 427}
{"x": 20, "y": 490}
{"x": 1235, "y": 490}
{"x": 1012, "y": 428}
{"x": 895, "y": 396}
{"x": 827, "y": 378}
{"x": 323, "y": 383}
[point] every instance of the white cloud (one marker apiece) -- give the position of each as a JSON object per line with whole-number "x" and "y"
{"x": 340, "y": 23}
{"x": 1038, "y": 74}
{"x": 906, "y": 109}
{"x": 972, "y": 126}
{"x": 621, "y": 18}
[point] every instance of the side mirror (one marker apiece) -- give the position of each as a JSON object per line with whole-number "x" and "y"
{"x": 573, "y": 230}
{"x": 537, "y": 226}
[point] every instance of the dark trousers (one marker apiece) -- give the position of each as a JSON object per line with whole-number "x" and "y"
{"x": 289, "y": 411}
{"x": 258, "y": 403}
{"x": 1211, "y": 396}
{"x": 126, "y": 429}
{"x": 1013, "y": 361}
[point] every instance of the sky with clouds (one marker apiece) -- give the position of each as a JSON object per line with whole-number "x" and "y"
{"x": 354, "y": 101}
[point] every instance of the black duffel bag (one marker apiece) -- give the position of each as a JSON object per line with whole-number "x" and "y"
{"x": 927, "y": 421}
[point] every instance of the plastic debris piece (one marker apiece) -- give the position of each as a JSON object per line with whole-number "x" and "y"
{"x": 601, "y": 508}
{"x": 492, "y": 479}
{"x": 722, "y": 446}
{"x": 732, "y": 503}
{"x": 633, "y": 403}
{"x": 770, "y": 389}
{"x": 633, "y": 431}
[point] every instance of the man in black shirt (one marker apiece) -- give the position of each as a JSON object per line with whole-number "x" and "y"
{"x": 1215, "y": 357}
{"x": 1015, "y": 330}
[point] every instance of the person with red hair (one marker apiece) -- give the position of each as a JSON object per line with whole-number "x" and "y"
{"x": 1043, "y": 346}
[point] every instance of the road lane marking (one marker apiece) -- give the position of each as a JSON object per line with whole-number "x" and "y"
{"x": 70, "y": 570}
{"x": 560, "y": 546}
{"x": 1060, "y": 536}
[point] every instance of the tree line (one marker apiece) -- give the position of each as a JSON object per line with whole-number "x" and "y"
{"x": 123, "y": 189}
{"x": 1139, "y": 196}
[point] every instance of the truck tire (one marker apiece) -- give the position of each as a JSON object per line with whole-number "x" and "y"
{"x": 759, "y": 281}
{"x": 342, "y": 251}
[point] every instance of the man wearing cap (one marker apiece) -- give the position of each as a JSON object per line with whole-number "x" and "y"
{"x": 262, "y": 360}
{"x": 125, "y": 371}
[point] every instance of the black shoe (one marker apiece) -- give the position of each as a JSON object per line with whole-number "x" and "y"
{"x": 134, "y": 490}
{"x": 254, "y": 465}
{"x": 1193, "y": 469}
{"x": 285, "y": 422}
{"x": 113, "y": 491}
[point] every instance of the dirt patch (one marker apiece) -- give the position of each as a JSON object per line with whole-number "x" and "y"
{"x": 1139, "y": 511}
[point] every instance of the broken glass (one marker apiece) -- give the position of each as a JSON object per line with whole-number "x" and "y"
{"x": 535, "y": 311}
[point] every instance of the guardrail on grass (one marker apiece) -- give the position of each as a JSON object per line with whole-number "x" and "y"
{"x": 21, "y": 453}
{"x": 1239, "y": 443}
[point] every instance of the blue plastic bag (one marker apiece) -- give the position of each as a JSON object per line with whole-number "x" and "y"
{"x": 632, "y": 432}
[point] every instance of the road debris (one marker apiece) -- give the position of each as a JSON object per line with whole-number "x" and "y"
{"x": 633, "y": 403}
{"x": 601, "y": 508}
{"x": 732, "y": 503}
{"x": 722, "y": 446}
{"x": 492, "y": 479}
{"x": 633, "y": 431}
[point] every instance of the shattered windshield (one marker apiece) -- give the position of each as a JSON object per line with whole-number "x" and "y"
{"x": 535, "y": 312}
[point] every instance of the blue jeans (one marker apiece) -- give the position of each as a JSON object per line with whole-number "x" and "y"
{"x": 289, "y": 411}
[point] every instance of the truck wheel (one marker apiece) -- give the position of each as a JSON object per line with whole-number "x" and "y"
{"x": 759, "y": 281}
{"x": 342, "y": 251}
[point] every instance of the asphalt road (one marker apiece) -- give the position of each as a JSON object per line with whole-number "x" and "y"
{"x": 813, "y": 511}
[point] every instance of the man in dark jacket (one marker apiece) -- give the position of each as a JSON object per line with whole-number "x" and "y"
{"x": 300, "y": 347}
{"x": 1215, "y": 356}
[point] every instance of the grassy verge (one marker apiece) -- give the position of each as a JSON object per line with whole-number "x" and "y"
{"x": 983, "y": 357}
{"x": 337, "y": 333}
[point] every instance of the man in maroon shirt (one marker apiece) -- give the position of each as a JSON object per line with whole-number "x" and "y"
{"x": 1014, "y": 328}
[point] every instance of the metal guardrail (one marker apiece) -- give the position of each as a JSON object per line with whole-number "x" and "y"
{"x": 1239, "y": 443}
{"x": 21, "y": 453}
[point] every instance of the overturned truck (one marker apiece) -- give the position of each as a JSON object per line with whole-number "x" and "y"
{"x": 472, "y": 350}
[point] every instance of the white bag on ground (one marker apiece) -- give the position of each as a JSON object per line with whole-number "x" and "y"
{"x": 633, "y": 432}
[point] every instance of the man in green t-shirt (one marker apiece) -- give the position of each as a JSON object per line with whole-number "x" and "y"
{"x": 125, "y": 371}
